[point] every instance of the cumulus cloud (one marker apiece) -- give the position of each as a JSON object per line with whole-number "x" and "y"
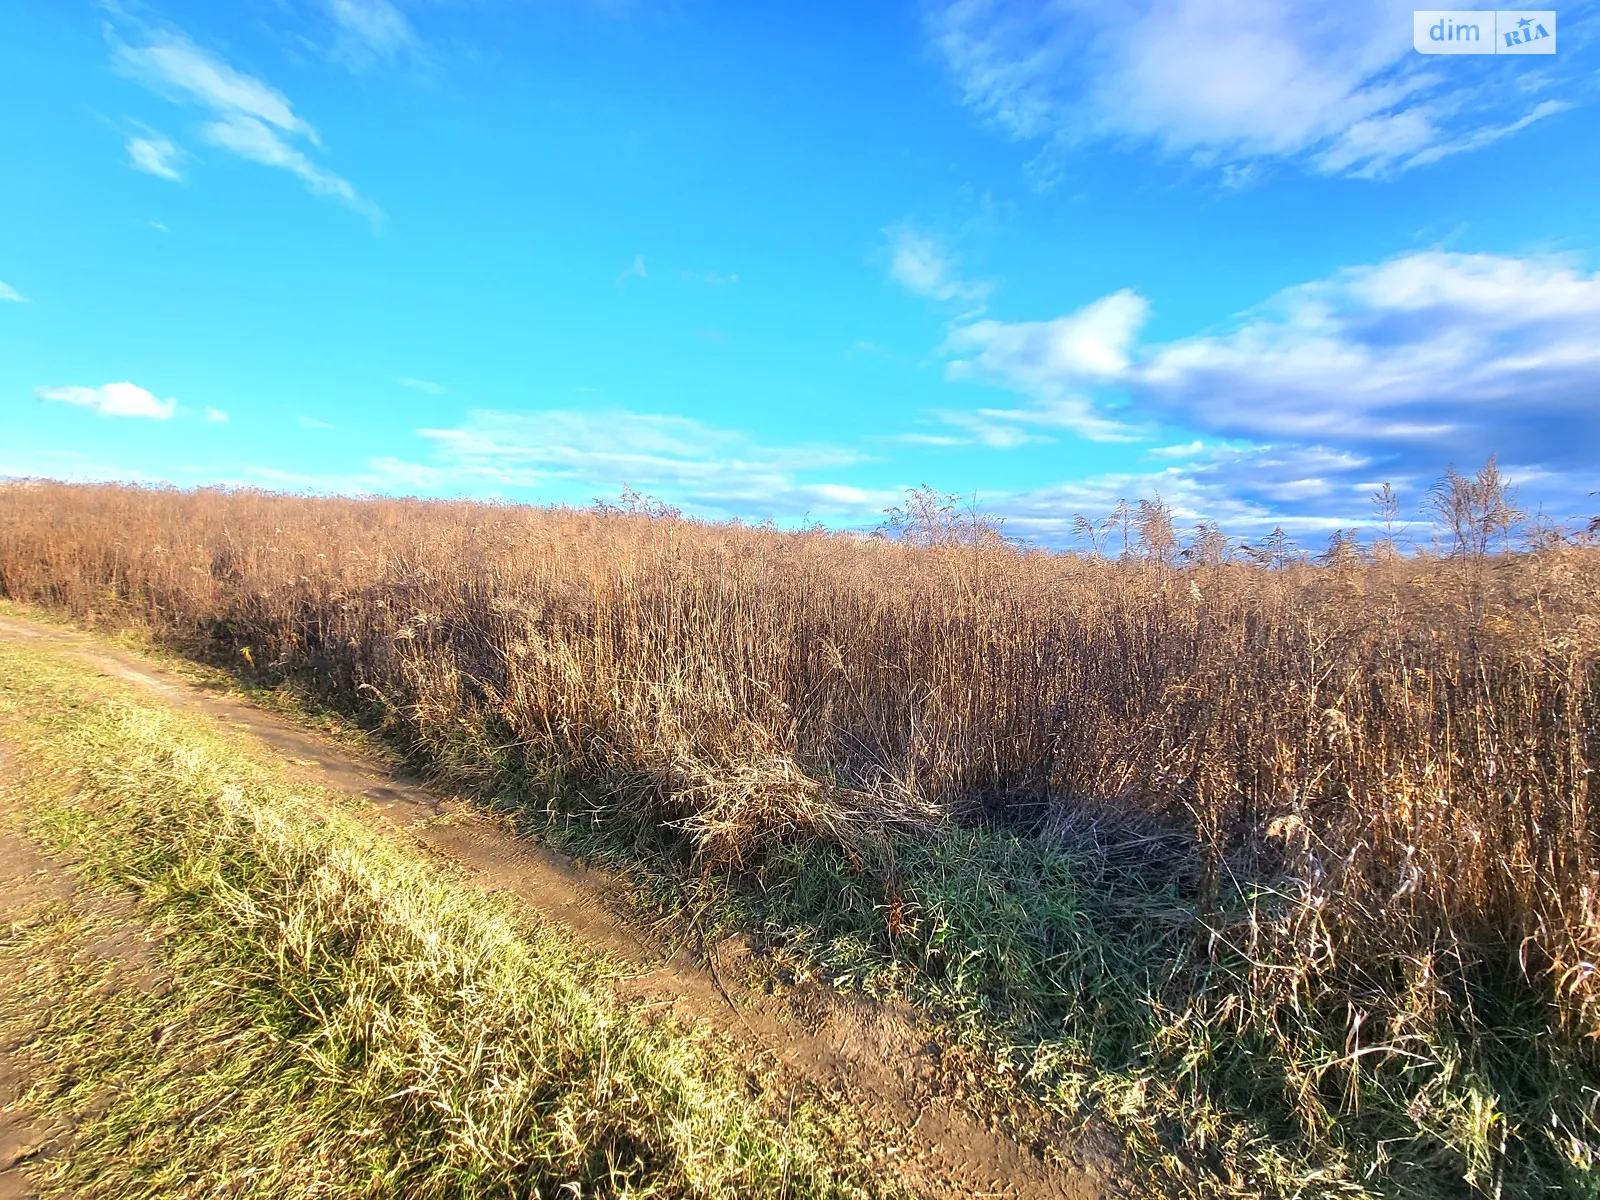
{"x": 919, "y": 263}
{"x": 1425, "y": 354}
{"x": 1395, "y": 369}
{"x": 155, "y": 156}
{"x": 1088, "y": 345}
{"x": 9, "y": 294}
{"x": 1436, "y": 351}
{"x": 1335, "y": 86}
{"x": 575, "y": 455}
{"x": 1055, "y": 363}
{"x": 251, "y": 118}
{"x": 113, "y": 400}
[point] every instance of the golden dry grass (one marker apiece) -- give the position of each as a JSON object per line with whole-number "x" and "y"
{"x": 1397, "y": 754}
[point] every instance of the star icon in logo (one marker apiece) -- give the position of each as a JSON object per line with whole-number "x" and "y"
{"x": 1524, "y": 23}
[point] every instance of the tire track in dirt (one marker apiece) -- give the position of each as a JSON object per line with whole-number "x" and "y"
{"x": 874, "y": 1057}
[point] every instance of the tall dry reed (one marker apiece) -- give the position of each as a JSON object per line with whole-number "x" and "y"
{"x": 1402, "y": 749}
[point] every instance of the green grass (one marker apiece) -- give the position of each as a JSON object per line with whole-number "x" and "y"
{"x": 1081, "y": 980}
{"x": 331, "y": 1014}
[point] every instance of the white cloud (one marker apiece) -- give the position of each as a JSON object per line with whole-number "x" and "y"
{"x": 113, "y": 400}
{"x": 1337, "y": 86}
{"x": 574, "y": 456}
{"x": 1426, "y": 351}
{"x": 1391, "y": 370}
{"x": 710, "y": 278}
{"x": 1054, "y": 363}
{"x": 422, "y": 385}
{"x": 1309, "y": 491}
{"x": 1039, "y": 421}
{"x": 311, "y": 423}
{"x": 1426, "y": 354}
{"x": 71, "y": 466}
{"x": 254, "y": 140}
{"x": 172, "y": 62}
{"x": 996, "y": 428}
{"x": 921, "y": 265}
{"x": 372, "y": 27}
{"x": 252, "y": 119}
{"x": 1187, "y": 450}
{"x": 10, "y": 295}
{"x": 155, "y": 156}
{"x": 634, "y": 270}
{"x": 1487, "y": 135}
{"x": 216, "y": 416}
{"x": 1090, "y": 344}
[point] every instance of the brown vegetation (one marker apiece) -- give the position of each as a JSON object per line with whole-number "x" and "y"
{"x": 1398, "y": 750}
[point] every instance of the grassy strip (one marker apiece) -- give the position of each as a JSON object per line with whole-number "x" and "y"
{"x": 341, "y": 1018}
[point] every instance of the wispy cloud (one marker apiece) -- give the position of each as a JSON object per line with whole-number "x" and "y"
{"x": 422, "y": 385}
{"x": 216, "y": 416}
{"x": 1186, "y": 450}
{"x": 155, "y": 155}
{"x": 571, "y": 455}
{"x": 251, "y": 118}
{"x": 371, "y": 29}
{"x": 171, "y": 63}
{"x": 1309, "y": 491}
{"x": 710, "y": 278}
{"x": 9, "y": 294}
{"x": 634, "y": 270}
{"x": 1337, "y": 87}
{"x": 921, "y": 264}
{"x": 113, "y": 400}
{"x": 72, "y": 466}
{"x": 1486, "y": 135}
{"x": 311, "y": 423}
{"x": 255, "y": 140}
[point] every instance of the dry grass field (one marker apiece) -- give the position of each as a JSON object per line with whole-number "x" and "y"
{"x": 1288, "y": 870}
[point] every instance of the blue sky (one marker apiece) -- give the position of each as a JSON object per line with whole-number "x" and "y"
{"x": 784, "y": 261}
